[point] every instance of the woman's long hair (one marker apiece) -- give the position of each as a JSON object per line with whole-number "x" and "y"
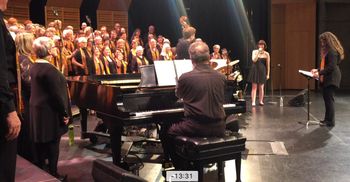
{"x": 24, "y": 43}
{"x": 333, "y": 43}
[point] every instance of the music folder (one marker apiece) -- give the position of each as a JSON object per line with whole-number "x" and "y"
{"x": 307, "y": 74}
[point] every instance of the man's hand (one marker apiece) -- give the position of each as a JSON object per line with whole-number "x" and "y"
{"x": 14, "y": 125}
{"x": 66, "y": 120}
{"x": 267, "y": 77}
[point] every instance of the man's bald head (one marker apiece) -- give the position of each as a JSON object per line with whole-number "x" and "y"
{"x": 199, "y": 52}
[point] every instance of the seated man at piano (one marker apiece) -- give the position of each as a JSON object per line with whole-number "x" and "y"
{"x": 202, "y": 91}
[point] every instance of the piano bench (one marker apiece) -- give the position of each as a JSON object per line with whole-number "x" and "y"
{"x": 201, "y": 151}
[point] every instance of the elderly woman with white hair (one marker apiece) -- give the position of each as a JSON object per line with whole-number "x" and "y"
{"x": 138, "y": 60}
{"x": 48, "y": 106}
{"x": 166, "y": 53}
{"x": 216, "y": 52}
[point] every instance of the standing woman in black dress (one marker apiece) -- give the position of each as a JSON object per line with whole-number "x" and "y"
{"x": 329, "y": 75}
{"x": 48, "y": 106}
{"x": 259, "y": 72}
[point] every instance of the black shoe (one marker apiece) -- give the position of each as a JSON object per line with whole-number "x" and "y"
{"x": 323, "y": 123}
{"x": 329, "y": 124}
{"x": 61, "y": 177}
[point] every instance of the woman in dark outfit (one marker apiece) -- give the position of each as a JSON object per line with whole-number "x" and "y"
{"x": 329, "y": 75}
{"x": 24, "y": 43}
{"x": 259, "y": 71}
{"x": 48, "y": 106}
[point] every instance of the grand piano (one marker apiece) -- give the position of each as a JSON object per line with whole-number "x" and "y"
{"x": 123, "y": 100}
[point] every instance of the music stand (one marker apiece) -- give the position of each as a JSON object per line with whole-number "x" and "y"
{"x": 308, "y": 75}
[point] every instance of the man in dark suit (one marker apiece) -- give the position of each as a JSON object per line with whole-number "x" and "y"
{"x": 48, "y": 106}
{"x": 10, "y": 124}
{"x": 202, "y": 91}
{"x": 189, "y": 35}
{"x": 329, "y": 75}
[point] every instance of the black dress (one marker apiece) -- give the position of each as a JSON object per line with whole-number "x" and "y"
{"x": 257, "y": 73}
{"x": 48, "y": 103}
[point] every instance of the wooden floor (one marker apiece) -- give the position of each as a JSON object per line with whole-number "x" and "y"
{"x": 279, "y": 146}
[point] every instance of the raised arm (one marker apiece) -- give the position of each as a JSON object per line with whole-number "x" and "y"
{"x": 255, "y": 54}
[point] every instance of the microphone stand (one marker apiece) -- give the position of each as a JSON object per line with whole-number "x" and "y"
{"x": 273, "y": 102}
{"x": 279, "y": 81}
{"x": 227, "y": 67}
{"x": 309, "y": 122}
{"x": 60, "y": 47}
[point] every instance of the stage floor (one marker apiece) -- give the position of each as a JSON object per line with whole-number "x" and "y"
{"x": 279, "y": 146}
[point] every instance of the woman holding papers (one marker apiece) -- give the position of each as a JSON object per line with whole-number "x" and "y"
{"x": 329, "y": 75}
{"x": 259, "y": 72}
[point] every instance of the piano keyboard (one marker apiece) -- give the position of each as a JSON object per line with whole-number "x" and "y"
{"x": 176, "y": 110}
{"x": 113, "y": 82}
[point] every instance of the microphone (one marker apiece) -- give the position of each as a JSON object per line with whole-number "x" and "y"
{"x": 88, "y": 19}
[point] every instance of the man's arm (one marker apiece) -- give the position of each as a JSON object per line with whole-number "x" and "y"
{"x": 179, "y": 88}
{"x": 6, "y": 97}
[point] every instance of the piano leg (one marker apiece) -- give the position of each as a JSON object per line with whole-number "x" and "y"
{"x": 83, "y": 122}
{"x": 115, "y": 130}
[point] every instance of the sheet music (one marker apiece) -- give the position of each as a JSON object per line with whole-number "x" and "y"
{"x": 306, "y": 73}
{"x": 183, "y": 66}
{"x": 220, "y": 63}
{"x": 165, "y": 72}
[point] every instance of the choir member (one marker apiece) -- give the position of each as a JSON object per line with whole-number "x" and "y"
{"x": 122, "y": 64}
{"x": 152, "y": 54}
{"x": 108, "y": 61}
{"x": 216, "y": 52}
{"x": 117, "y": 29}
{"x": 103, "y": 30}
{"x": 160, "y": 42}
{"x": 82, "y": 59}
{"x": 83, "y": 26}
{"x": 138, "y": 60}
{"x": 134, "y": 44}
{"x": 166, "y": 53}
{"x": 127, "y": 45}
{"x": 99, "y": 66}
{"x": 67, "y": 51}
{"x": 121, "y": 47}
{"x": 48, "y": 107}
{"x": 137, "y": 36}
